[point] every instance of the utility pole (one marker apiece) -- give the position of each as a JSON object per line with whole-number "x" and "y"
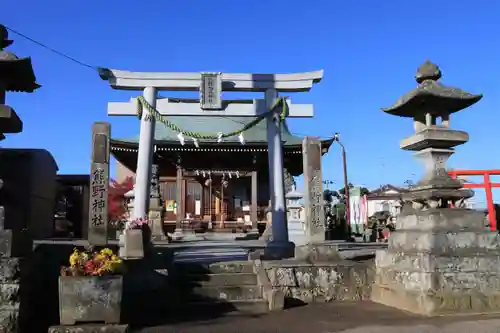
{"x": 346, "y": 186}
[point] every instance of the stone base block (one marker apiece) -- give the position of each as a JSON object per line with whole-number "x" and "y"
{"x": 299, "y": 239}
{"x": 421, "y": 262}
{"x": 319, "y": 252}
{"x": 436, "y": 304}
{"x": 90, "y": 328}
{"x": 457, "y": 243}
{"x": 9, "y": 321}
{"x": 320, "y": 282}
{"x": 10, "y": 270}
{"x": 447, "y": 219}
{"x": 131, "y": 244}
{"x": 15, "y": 243}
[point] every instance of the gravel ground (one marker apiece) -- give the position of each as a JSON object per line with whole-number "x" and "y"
{"x": 345, "y": 317}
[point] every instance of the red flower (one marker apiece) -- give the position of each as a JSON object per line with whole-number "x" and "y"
{"x": 89, "y": 267}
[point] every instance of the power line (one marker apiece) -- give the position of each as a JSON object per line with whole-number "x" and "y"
{"x": 81, "y": 63}
{"x": 61, "y": 54}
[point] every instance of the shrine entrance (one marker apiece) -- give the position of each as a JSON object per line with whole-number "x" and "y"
{"x": 487, "y": 185}
{"x": 270, "y": 110}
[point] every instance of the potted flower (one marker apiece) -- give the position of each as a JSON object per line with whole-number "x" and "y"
{"x": 90, "y": 288}
{"x": 134, "y": 237}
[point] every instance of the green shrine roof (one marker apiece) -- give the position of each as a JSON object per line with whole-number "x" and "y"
{"x": 214, "y": 125}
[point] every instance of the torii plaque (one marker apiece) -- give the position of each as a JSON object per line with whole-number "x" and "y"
{"x": 211, "y": 86}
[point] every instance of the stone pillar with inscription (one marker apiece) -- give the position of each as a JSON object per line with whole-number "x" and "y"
{"x": 313, "y": 194}
{"x": 99, "y": 184}
{"x": 156, "y": 207}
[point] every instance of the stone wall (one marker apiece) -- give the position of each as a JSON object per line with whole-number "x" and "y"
{"x": 9, "y": 294}
{"x": 321, "y": 282}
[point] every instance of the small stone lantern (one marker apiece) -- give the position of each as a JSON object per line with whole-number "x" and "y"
{"x": 130, "y": 197}
{"x": 296, "y": 222}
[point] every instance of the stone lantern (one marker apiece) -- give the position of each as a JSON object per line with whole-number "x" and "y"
{"x": 440, "y": 259}
{"x": 129, "y": 197}
{"x": 16, "y": 74}
{"x": 296, "y": 221}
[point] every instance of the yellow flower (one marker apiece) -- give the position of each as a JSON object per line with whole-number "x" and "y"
{"x": 115, "y": 259}
{"x": 73, "y": 258}
{"x": 107, "y": 252}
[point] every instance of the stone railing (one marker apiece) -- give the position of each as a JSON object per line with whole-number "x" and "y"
{"x": 321, "y": 282}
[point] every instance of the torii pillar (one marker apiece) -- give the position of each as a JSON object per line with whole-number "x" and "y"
{"x": 211, "y": 86}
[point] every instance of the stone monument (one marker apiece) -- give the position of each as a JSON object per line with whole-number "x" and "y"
{"x": 313, "y": 183}
{"x": 99, "y": 184}
{"x": 440, "y": 259}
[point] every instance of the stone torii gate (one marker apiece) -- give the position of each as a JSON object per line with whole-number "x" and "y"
{"x": 211, "y": 85}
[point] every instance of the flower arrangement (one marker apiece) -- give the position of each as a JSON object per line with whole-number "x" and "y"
{"x": 138, "y": 223}
{"x": 102, "y": 263}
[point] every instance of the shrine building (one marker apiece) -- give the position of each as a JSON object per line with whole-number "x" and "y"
{"x": 226, "y": 182}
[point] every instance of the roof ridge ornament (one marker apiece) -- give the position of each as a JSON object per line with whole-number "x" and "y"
{"x": 428, "y": 71}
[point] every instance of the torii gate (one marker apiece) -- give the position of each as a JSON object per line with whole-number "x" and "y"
{"x": 487, "y": 185}
{"x": 211, "y": 86}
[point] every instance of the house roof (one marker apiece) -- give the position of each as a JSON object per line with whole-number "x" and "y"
{"x": 214, "y": 125}
{"x": 382, "y": 191}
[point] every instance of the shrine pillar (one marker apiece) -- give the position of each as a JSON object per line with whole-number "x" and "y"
{"x": 145, "y": 157}
{"x": 279, "y": 246}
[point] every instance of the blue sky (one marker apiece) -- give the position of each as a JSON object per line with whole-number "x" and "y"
{"x": 369, "y": 50}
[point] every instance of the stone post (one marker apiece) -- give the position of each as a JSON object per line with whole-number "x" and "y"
{"x": 99, "y": 184}
{"x": 440, "y": 260}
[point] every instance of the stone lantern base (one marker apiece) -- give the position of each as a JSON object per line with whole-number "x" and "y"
{"x": 440, "y": 261}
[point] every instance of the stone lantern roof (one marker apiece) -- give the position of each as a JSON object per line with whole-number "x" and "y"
{"x": 294, "y": 194}
{"x": 431, "y": 96}
{"x": 16, "y": 74}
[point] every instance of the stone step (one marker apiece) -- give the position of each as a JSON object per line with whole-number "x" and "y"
{"x": 218, "y": 280}
{"x": 197, "y": 268}
{"x": 211, "y": 255}
{"x": 226, "y": 293}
